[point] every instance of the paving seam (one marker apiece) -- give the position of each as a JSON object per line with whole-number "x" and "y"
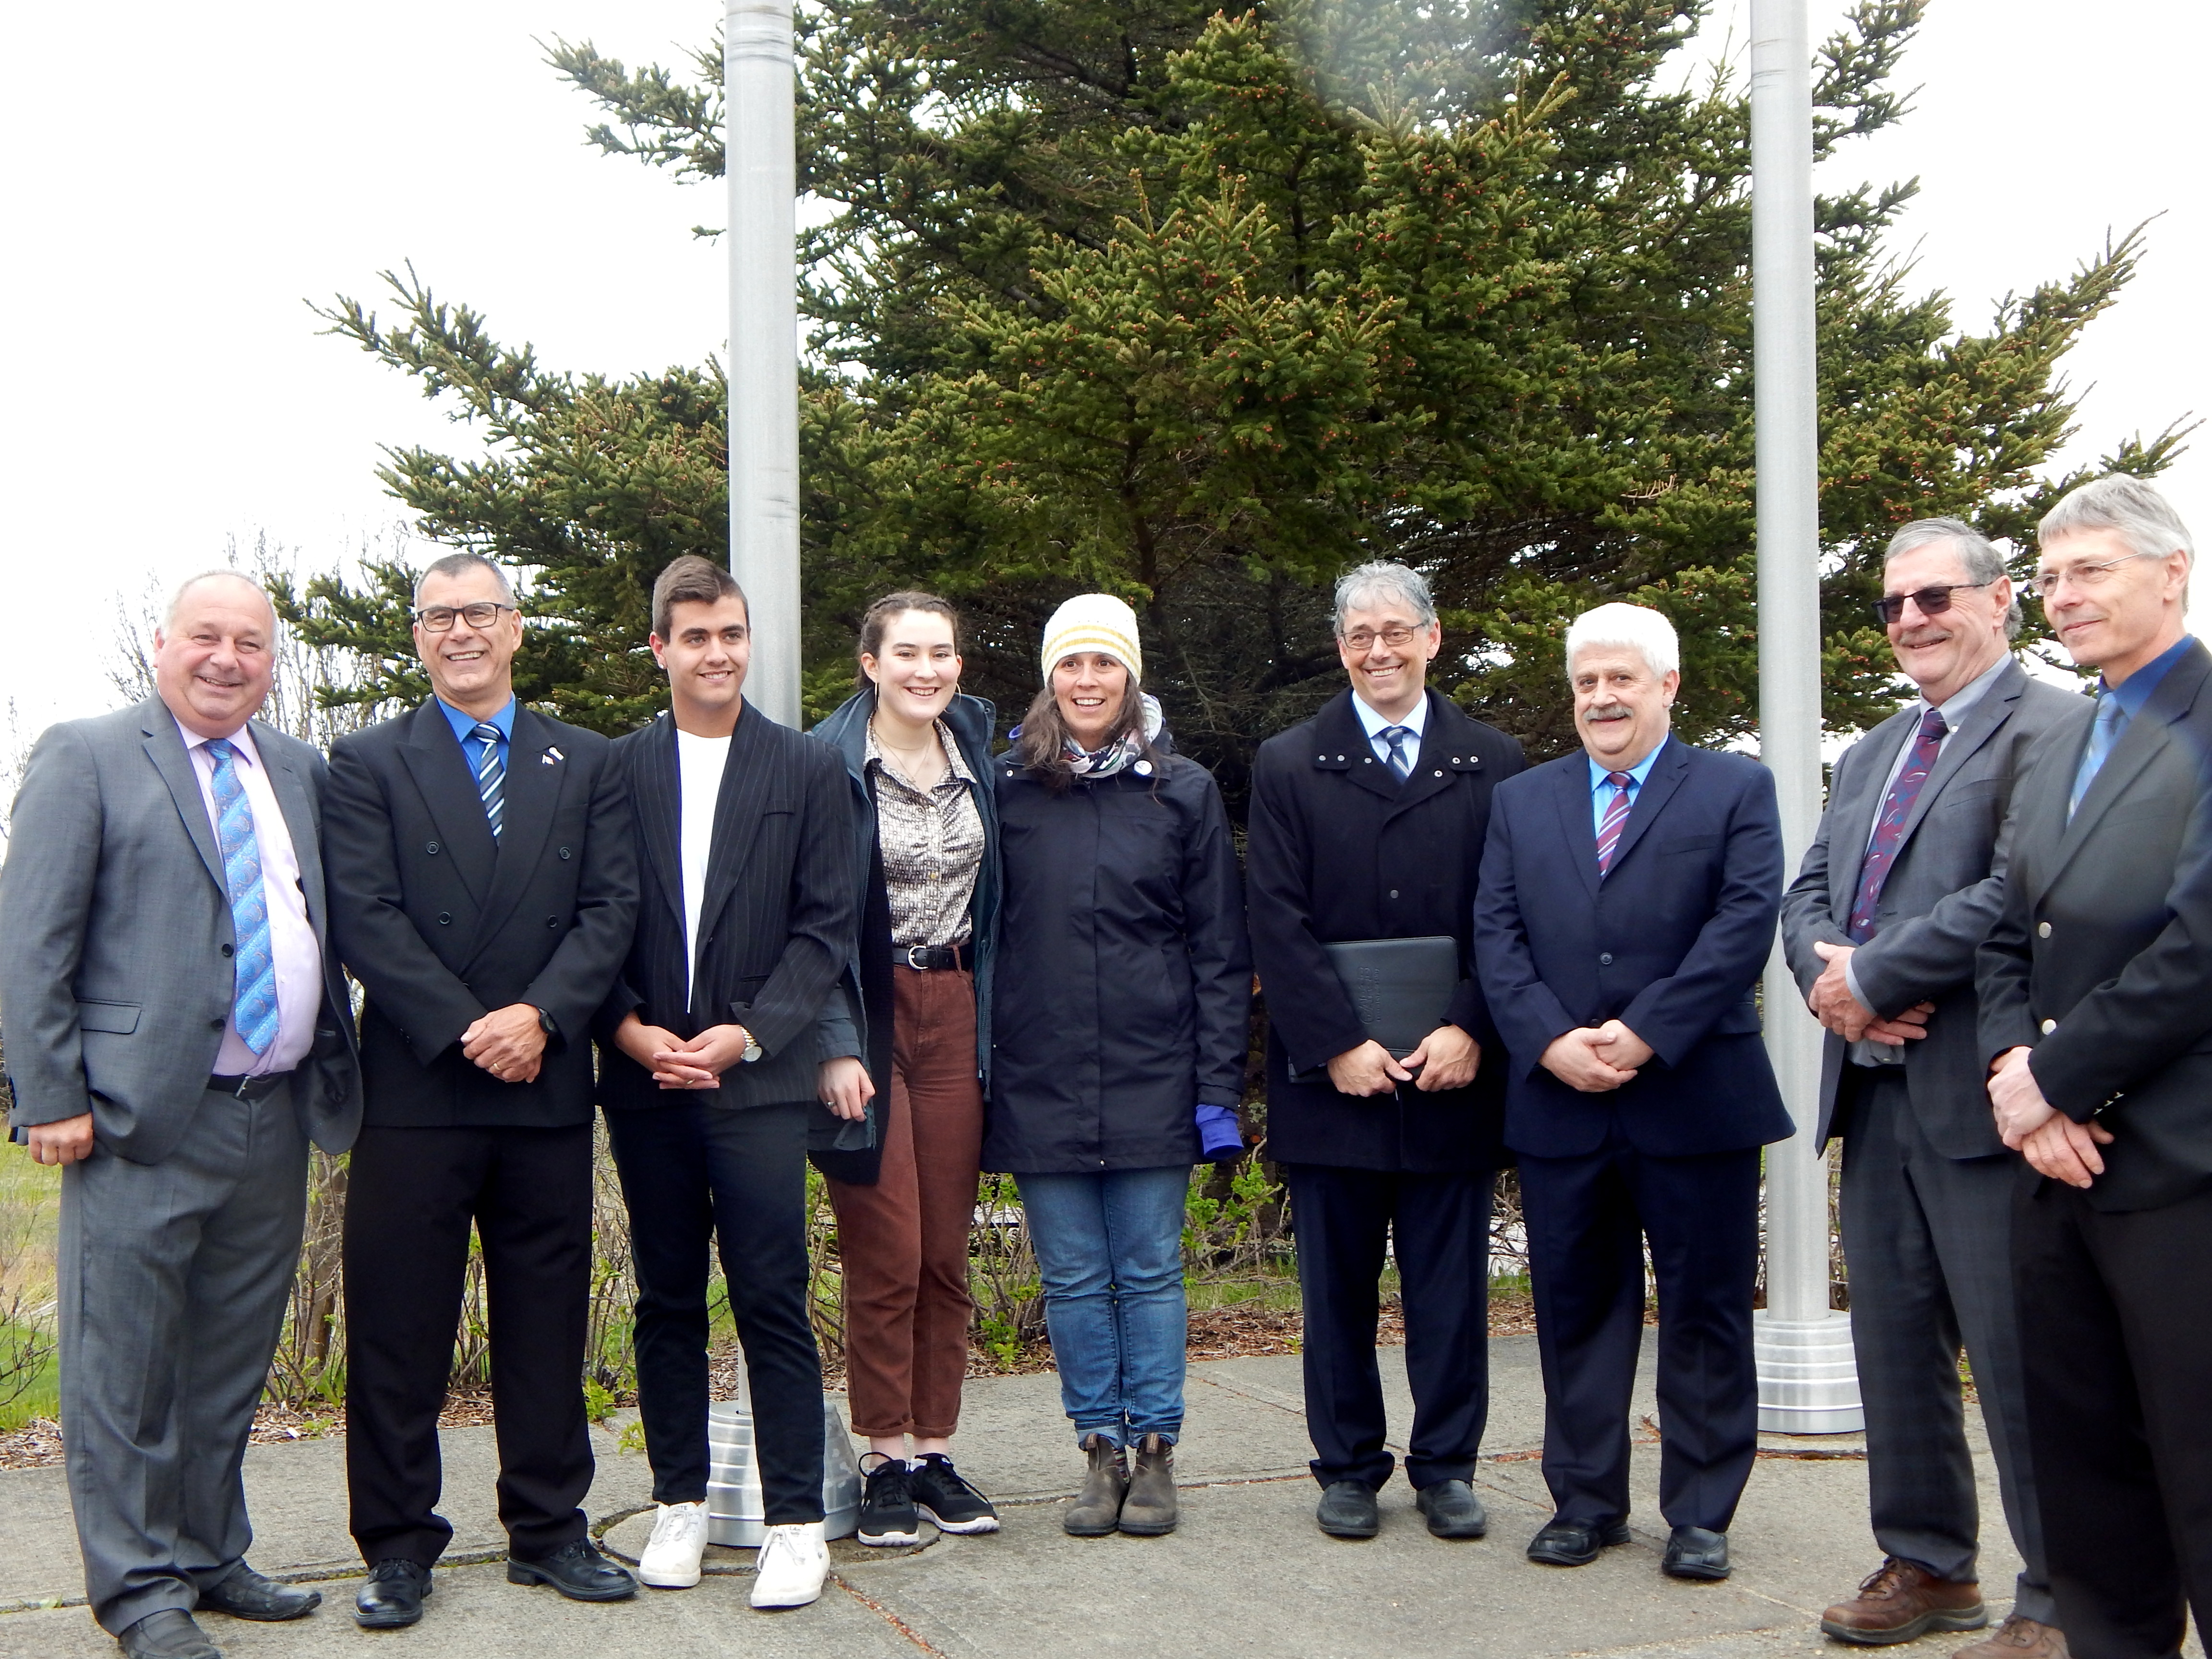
{"x": 890, "y": 1617}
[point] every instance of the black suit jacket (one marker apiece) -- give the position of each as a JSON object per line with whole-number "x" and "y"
{"x": 1671, "y": 942}
{"x": 1339, "y": 850}
{"x": 441, "y": 923}
{"x": 776, "y": 925}
{"x": 2101, "y": 960}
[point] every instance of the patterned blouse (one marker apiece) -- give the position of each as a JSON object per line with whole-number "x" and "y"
{"x": 932, "y": 842}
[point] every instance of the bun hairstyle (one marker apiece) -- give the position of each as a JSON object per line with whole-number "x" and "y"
{"x": 884, "y": 611}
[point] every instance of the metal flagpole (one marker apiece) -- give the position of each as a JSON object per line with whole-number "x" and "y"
{"x": 761, "y": 166}
{"x": 1807, "y": 1375}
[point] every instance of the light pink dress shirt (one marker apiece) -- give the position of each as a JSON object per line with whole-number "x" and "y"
{"x": 299, "y": 958}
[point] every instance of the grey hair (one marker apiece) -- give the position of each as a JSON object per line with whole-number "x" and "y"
{"x": 1983, "y": 563}
{"x": 1631, "y": 627}
{"x": 2134, "y": 510}
{"x": 455, "y": 564}
{"x": 1391, "y": 581}
{"x": 176, "y": 599}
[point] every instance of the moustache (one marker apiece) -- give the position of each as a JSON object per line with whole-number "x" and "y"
{"x": 1610, "y": 711}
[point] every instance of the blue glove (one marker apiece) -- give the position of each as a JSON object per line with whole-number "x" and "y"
{"x": 1219, "y": 1135}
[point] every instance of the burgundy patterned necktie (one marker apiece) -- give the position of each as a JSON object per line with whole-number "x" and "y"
{"x": 1881, "y": 852}
{"x": 1616, "y": 816}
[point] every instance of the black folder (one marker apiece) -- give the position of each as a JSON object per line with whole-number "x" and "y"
{"x": 1401, "y": 987}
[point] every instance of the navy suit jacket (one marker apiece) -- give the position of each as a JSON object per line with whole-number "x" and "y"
{"x": 1671, "y": 943}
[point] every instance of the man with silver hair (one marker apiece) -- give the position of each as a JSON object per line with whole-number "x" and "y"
{"x": 2096, "y": 1026}
{"x": 1626, "y": 909}
{"x": 1898, "y": 890}
{"x": 178, "y": 1033}
{"x": 1367, "y": 824}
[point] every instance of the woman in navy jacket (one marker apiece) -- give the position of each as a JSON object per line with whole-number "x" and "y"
{"x": 926, "y": 870}
{"x": 1119, "y": 1015}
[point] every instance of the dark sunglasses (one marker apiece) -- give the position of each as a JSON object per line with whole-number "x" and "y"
{"x": 1932, "y": 601}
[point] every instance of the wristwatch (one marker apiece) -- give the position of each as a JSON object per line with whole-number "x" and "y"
{"x": 548, "y": 1025}
{"x": 753, "y": 1050}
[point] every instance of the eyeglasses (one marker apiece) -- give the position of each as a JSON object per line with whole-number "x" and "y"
{"x": 2082, "y": 575}
{"x": 439, "y": 618}
{"x": 1396, "y": 636}
{"x": 1932, "y": 601}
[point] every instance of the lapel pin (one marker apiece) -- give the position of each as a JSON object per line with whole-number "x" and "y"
{"x": 550, "y": 757}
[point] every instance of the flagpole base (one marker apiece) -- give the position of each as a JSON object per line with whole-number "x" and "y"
{"x": 1808, "y": 1378}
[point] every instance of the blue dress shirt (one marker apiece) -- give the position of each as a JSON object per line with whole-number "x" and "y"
{"x": 1374, "y": 725}
{"x": 1602, "y": 785}
{"x": 472, "y": 748}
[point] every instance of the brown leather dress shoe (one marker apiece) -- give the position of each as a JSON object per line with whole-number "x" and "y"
{"x": 1902, "y": 1601}
{"x": 2018, "y": 1639}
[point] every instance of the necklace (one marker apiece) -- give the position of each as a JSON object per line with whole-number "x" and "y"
{"x": 911, "y": 760}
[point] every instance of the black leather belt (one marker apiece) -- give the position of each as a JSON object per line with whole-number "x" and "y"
{"x": 246, "y": 1088}
{"x": 927, "y": 957}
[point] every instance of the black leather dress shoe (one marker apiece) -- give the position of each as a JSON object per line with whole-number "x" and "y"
{"x": 1348, "y": 1510}
{"x": 168, "y": 1634}
{"x": 392, "y": 1597}
{"x": 1695, "y": 1552}
{"x": 246, "y": 1595}
{"x": 1575, "y": 1543}
{"x": 578, "y": 1571}
{"x": 1453, "y": 1509}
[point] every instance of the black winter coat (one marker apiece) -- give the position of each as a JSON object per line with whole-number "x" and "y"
{"x": 1124, "y": 981}
{"x": 1341, "y": 850}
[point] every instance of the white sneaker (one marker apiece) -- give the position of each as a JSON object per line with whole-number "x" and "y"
{"x": 793, "y": 1562}
{"x": 671, "y": 1559}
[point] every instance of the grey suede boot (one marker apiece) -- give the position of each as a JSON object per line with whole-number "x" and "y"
{"x": 1097, "y": 1508}
{"x": 1150, "y": 1507}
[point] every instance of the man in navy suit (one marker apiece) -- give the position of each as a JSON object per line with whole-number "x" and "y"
{"x": 1626, "y": 907}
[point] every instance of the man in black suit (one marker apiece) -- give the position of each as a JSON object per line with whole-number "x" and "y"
{"x": 1367, "y": 822}
{"x": 1626, "y": 909}
{"x": 713, "y": 1070}
{"x": 2096, "y": 990}
{"x": 482, "y": 890}
{"x": 1897, "y": 892}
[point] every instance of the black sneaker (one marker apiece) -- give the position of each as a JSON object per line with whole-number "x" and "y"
{"x": 945, "y": 1496}
{"x": 887, "y": 1511}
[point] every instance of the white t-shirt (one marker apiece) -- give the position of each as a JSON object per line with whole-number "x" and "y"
{"x": 699, "y": 762}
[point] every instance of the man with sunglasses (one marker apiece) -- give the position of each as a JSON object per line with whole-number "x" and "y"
{"x": 484, "y": 887}
{"x": 2096, "y": 988}
{"x": 1900, "y": 885}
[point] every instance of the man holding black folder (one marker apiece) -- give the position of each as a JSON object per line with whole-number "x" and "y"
{"x": 1366, "y": 834}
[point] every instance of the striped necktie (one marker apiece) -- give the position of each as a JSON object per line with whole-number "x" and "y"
{"x": 1616, "y": 818}
{"x": 1401, "y": 760}
{"x": 253, "y": 1001}
{"x": 491, "y": 776}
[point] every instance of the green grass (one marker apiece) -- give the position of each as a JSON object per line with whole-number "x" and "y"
{"x": 30, "y": 1203}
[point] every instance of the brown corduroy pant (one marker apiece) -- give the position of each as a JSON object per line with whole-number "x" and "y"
{"x": 903, "y": 1242}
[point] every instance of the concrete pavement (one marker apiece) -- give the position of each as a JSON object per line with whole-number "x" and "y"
{"x": 1247, "y": 1574}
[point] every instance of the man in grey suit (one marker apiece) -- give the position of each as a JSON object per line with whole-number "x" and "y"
{"x": 1900, "y": 888}
{"x": 177, "y": 1034}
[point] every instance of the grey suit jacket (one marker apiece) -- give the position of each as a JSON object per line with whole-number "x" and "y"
{"x": 116, "y": 982}
{"x": 1943, "y": 893}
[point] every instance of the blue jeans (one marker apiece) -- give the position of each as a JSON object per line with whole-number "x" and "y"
{"x": 1110, "y": 1249}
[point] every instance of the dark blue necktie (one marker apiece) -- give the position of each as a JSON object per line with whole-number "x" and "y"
{"x": 491, "y": 776}
{"x": 1881, "y": 853}
{"x": 1401, "y": 759}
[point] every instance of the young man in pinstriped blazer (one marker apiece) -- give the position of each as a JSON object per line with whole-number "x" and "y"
{"x": 712, "y": 1073}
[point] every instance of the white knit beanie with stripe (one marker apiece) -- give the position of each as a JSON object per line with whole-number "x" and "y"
{"x": 1094, "y": 622}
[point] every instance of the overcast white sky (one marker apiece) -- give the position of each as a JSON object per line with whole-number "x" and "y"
{"x": 186, "y": 179}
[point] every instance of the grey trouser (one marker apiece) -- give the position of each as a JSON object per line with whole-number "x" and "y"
{"x": 174, "y": 1279}
{"x": 1929, "y": 1242}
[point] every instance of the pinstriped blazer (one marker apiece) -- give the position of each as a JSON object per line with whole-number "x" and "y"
{"x": 776, "y": 925}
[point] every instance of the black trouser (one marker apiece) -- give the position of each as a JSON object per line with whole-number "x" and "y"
{"x": 1587, "y": 1219}
{"x": 411, "y": 1197}
{"x": 1928, "y": 1240}
{"x": 1441, "y": 1228}
{"x": 2119, "y": 1359}
{"x": 695, "y": 1176}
